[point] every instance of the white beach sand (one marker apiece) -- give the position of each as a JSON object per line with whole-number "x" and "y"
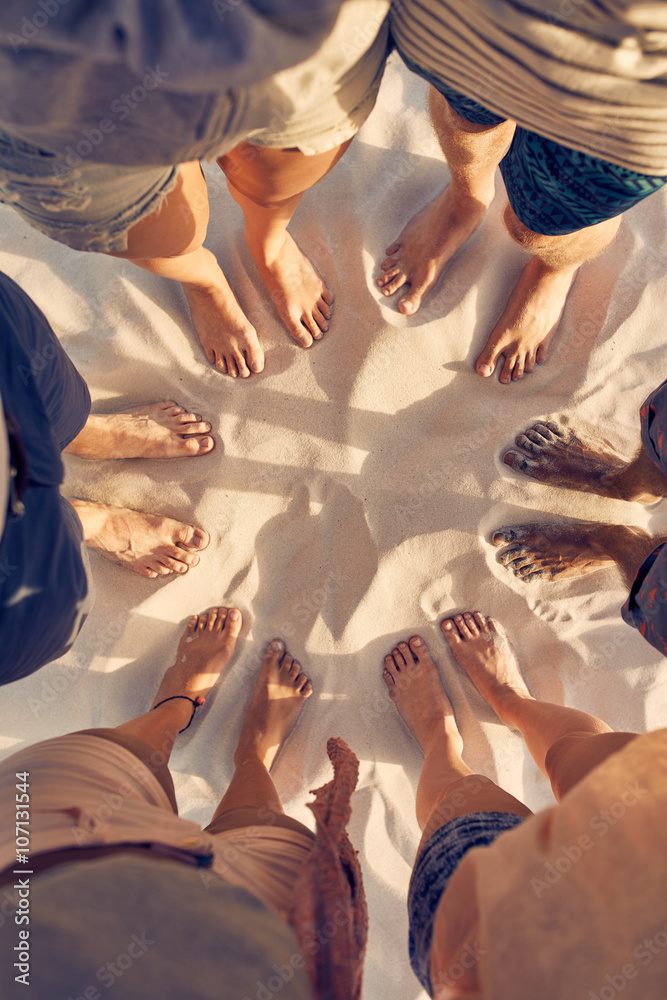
{"x": 352, "y": 493}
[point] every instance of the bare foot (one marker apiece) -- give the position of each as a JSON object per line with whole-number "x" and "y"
{"x": 483, "y": 650}
{"x": 414, "y": 686}
{"x": 205, "y": 649}
{"x": 280, "y": 693}
{"x": 428, "y": 242}
{"x": 148, "y": 544}
{"x": 529, "y": 323}
{"x": 546, "y": 551}
{"x": 152, "y": 430}
{"x": 559, "y": 457}
{"x": 230, "y": 342}
{"x": 300, "y": 296}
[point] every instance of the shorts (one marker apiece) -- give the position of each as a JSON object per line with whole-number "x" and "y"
{"x": 313, "y": 107}
{"x": 99, "y": 789}
{"x": 433, "y": 869}
{"x": 553, "y": 190}
{"x": 646, "y": 606}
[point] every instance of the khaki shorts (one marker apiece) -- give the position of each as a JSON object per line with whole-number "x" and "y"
{"x": 313, "y": 107}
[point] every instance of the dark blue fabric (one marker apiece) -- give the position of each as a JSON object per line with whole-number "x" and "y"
{"x": 433, "y": 869}
{"x": 646, "y": 606}
{"x": 553, "y": 190}
{"x": 43, "y": 581}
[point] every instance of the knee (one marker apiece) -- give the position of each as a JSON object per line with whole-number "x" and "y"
{"x": 521, "y": 234}
{"x": 561, "y": 761}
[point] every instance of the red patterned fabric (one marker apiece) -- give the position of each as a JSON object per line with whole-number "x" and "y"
{"x": 329, "y": 914}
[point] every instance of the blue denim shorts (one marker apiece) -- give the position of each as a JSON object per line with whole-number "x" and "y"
{"x": 433, "y": 869}
{"x": 87, "y": 206}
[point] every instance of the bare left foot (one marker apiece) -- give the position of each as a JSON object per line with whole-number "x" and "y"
{"x": 148, "y": 544}
{"x": 205, "y": 649}
{"x": 559, "y": 457}
{"x": 529, "y": 323}
{"x": 414, "y": 685}
{"x": 300, "y": 296}
{"x": 549, "y": 551}
{"x": 280, "y": 693}
{"x": 151, "y": 430}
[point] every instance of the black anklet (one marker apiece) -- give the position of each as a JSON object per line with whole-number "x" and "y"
{"x": 195, "y": 706}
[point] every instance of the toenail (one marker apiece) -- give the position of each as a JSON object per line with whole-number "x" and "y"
{"x": 276, "y": 646}
{"x": 234, "y": 614}
{"x": 459, "y": 618}
{"x": 417, "y": 642}
{"x": 484, "y": 370}
{"x": 448, "y": 625}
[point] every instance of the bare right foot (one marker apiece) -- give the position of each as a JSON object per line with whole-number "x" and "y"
{"x": 483, "y": 650}
{"x": 414, "y": 685}
{"x": 229, "y": 340}
{"x": 428, "y": 243}
{"x": 148, "y": 544}
{"x": 280, "y": 693}
{"x": 549, "y": 551}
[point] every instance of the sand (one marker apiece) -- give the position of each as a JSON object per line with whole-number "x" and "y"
{"x": 352, "y": 493}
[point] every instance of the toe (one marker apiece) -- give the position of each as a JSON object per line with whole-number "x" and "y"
{"x": 274, "y": 652}
{"x": 406, "y": 653}
{"x": 232, "y": 623}
{"x": 325, "y": 309}
{"x": 482, "y": 624}
{"x": 420, "y": 650}
{"x": 211, "y": 619}
{"x": 396, "y": 282}
{"x": 320, "y": 319}
{"x": 486, "y": 362}
{"x": 518, "y": 370}
{"x": 508, "y": 367}
{"x": 471, "y": 624}
{"x": 463, "y": 628}
{"x": 387, "y": 275}
{"x": 173, "y": 565}
{"x": 450, "y": 632}
{"x": 188, "y": 537}
{"x": 286, "y": 663}
{"x": 307, "y": 688}
{"x": 389, "y": 671}
{"x": 394, "y": 248}
{"x": 192, "y": 624}
{"x": 301, "y": 680}
{"x": 240, "y": 363}
{"x": 255, "y": 356}
{"x": 541, "y": 355}
{"x": 411, "y": 302}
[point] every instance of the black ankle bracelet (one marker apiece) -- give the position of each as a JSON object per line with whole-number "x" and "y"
{"x": 195, "y": 706}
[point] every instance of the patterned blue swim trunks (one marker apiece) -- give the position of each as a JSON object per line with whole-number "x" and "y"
{"x": 553, "y": 190}
{"x": 433, "y": 869}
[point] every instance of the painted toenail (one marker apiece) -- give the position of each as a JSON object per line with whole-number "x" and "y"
{"x": 276, "y": 646}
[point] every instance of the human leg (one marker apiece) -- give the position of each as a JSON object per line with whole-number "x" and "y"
{"x": 278, "y": 698}
{"x": 529, "y": 322}
{"x": 473, "y": 152}
{"x": 447, "y": 787}
{"x": 483, "y": 650}
{"x": 547, "y": 551}
{"x": 268, "y": 185}
{"x": 168, "y": 243}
